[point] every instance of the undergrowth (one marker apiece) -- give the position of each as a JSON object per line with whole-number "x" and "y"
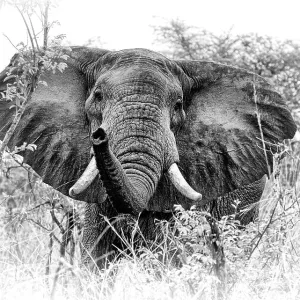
{"x": 41, "y": 233}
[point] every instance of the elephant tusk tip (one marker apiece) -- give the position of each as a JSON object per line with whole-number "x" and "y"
{"x": 72, "y": 193}
{"x": 199, "y": 197}
{"x": 196, "y": 198}
{"x": 85, "y": 179}
{"x": 195, "y": 201}
{"x": 182, "y": 186}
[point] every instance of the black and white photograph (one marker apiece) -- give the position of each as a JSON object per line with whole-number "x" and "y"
{"x": 149, "y": 150}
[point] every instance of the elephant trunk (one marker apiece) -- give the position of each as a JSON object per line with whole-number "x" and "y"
{"x": 128, "y": 193}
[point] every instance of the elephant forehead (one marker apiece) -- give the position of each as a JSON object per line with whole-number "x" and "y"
{"x": 146, "y": 74}
{"x": 143, "y": 60}
{"x": 128, "y": 81}
{"x": 139, "y": 55}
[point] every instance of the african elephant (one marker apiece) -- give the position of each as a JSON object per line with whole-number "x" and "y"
{"x": 132, "y": 132}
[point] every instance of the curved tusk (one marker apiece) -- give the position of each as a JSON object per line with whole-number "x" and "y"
{"x": 181, "y": 185}
{"x": 85, "y": 179}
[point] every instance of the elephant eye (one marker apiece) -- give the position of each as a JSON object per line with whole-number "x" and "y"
{"x": 178, "y": 105}
{"x": 178, "y": 115}
{"x": 98, "y": 94}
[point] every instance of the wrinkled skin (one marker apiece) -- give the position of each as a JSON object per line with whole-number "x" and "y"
{"x": 141, "y": 113}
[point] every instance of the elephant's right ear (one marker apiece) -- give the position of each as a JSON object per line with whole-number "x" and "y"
{"x": 234, "y": 124}
{"x": 55, "y": 121}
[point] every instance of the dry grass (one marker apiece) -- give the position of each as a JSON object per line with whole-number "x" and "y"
{"x": 262, "y": 261}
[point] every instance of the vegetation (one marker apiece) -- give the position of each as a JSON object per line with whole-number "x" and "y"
{"x": 276, "y": 60}
{"x": 41, "y": 229}
{"x": 261, "y": 260}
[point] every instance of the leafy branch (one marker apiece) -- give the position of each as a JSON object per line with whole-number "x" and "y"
{"x": 26, "y": 67}
{"x": 26, "y": 73}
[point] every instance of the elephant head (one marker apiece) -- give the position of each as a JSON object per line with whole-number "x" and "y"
{"x": 150, "y": 122}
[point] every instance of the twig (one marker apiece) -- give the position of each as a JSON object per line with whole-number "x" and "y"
{"x": 11, "y": 42}
{"x": 260, "y": 128}
{"x": 29, "y": 34}
{"x": 61, "y": 228}
{"x": 44, "y": 203}
{"x": 67, "y": 236}
{"x": 50, "y": 246}
{"x": 39, "y": 224}
{"x": 33, "y": 31}
{"x": 264, "y": 230}
{"x": 46, "y": 28}
{"x": 29, "y": 177}
{"x": 218, "y": 255}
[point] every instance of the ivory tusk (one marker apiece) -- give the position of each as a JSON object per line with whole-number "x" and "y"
{"x": 181, "y": 185}
{"x": 85, "y": 179}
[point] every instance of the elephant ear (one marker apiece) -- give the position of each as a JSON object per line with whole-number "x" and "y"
{"x": 234, "y": 125}
{"x": 54, "y": 120}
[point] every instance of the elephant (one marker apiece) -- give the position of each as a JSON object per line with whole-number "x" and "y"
{"x": 132, "y": 133}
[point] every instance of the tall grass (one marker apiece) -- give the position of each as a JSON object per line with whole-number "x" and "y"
{"x": 262, "y": 259}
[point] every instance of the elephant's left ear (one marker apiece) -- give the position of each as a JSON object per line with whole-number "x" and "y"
{"x": 235, "y": 123}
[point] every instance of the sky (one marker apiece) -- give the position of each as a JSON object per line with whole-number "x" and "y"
{"x": 122, "y": 24}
